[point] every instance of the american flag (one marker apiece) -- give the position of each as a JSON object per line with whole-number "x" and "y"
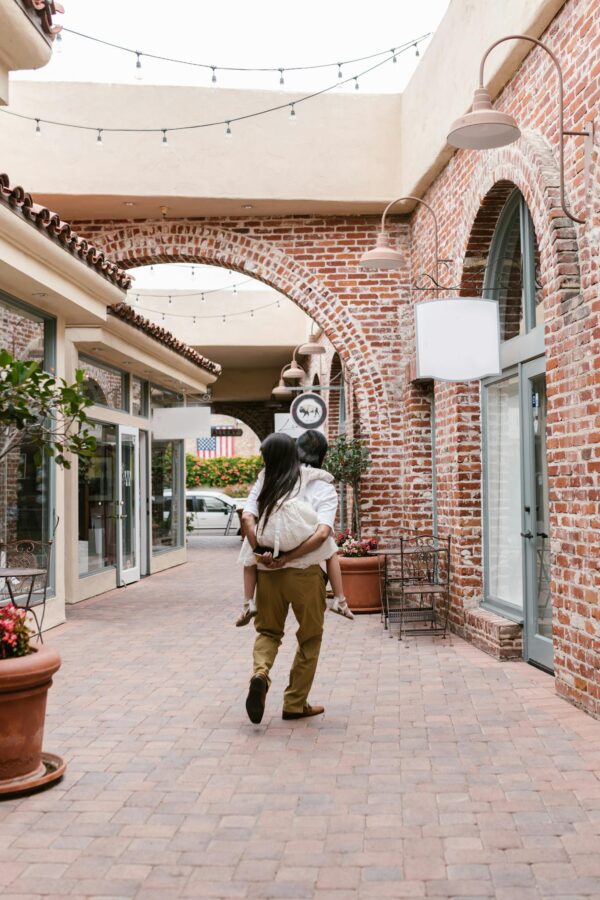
{"x": 211, "y": 447}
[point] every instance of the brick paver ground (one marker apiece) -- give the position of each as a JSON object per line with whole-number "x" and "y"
{"x": 435, "y": 772}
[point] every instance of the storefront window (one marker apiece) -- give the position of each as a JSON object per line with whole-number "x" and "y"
{"x": 104, "y": 385}
{"x": 503, "y": 493}
{"x": 139, "y": 397}
{"x": 166, "y": 495}
{"x": 512, "y": 278}
{"x": 97, "y": 508}
{"x": 25, "y": 479}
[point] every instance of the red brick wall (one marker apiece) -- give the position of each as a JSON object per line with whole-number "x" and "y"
{"x": 368, "y": 317}
{"x": 467, "y": 197}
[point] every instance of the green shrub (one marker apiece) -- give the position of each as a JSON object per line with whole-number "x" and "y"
{"x": 222, "y": 471}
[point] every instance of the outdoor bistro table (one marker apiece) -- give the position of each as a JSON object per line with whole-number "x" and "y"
{"x": 16, "y": 572}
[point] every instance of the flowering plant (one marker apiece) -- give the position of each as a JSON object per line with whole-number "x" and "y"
{"x": 15, "y": 634}
{"x": 342, "y": 536}
{"x": 351, "y": 546}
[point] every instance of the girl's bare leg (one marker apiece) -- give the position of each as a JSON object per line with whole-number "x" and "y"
{"x": 249, "y": 607}
{"x": 338, "y": 602}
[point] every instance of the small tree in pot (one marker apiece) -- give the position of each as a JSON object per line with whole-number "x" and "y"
{"x": 48, "y": 414}
{"x": 347, "y": 460}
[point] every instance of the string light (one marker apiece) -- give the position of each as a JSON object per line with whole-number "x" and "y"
{"x": 99, "y": 138}
{"x": 228, "y": 122}
{"x": 214, "y": 75}
{"x": 59, "y": 42}
{"x": 195, "y": 316}
{"x": 416, "y": 46}
{"x": 163, "y": 317}
{"x": 202, "y": 298}
{"x": 292, "y": 114}
{"x": 193, "y": 271}
{"x": 170, "y": 299}
{"x": 281, "y": 78}
{"x": 234, "y": 288}
{"x": 340, "y": 73}
{"x": 138, "y": 66}
{"x": 194, "y": 322}
{"x": 164, "y": 142}
{"x": 214, "y": 67}
{"x": 38, "y": 130}
{"x": 224, "y": 319}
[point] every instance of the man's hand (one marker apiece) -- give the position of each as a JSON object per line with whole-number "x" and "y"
{"x": 268, "y": 562}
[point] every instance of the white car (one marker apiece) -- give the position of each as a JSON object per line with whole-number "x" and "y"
{"x": 213, "y": 511}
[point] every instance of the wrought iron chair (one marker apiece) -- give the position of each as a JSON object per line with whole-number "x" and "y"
{"x": 27, "y": 592}
{"x": 417, "y": 586}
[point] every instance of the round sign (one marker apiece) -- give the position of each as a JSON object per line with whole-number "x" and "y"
{"x": 308, "y": 411}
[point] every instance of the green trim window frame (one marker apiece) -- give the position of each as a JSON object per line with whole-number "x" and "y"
{"x": 511, "y": 279}
{"x": 99, "y": 393}
{"x": 140, "y": 397}
{"x": 35, "y": 500}
{"x": 167, "y": 488}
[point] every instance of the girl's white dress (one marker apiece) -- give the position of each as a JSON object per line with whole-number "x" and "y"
{"x": 291, "y": 523}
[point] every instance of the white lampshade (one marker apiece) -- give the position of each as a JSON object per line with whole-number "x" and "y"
{"x": 312, "y": 348}
{"x": 282, "y": 391}
{"x": 294, "y": 371}
{"x": 458, "y": 339}
{"x": 382, "y": 256}
{"x": 484, "y": 127}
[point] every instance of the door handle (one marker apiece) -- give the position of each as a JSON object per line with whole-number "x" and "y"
{"x": 526, "y": 534}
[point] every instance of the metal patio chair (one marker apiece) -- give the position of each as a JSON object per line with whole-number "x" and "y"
{"x": 417, "y": 585}
{"x": 26, "y": 591}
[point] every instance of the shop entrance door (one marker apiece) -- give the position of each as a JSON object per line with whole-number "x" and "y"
{"x": 128, "y": 506}
{"x": 536, "y": 527}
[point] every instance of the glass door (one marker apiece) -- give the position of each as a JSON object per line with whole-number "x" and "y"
{"x": 128, "y": 506}
{"x": 536, "y": 528}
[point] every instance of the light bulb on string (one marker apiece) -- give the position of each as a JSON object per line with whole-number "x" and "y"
{"x": 228, "y": 130}
{"x": 99, "y": 138}
{"x": 202, "y": 297}
{"x": 224, "y": 319}
{"x": 193, "y": 271}
{"x": 38, "y": 130}
{"x": 138, "y": 66}
{"x": 164, "y": 143}
{"x": 194, "y": 322}
{"x": 278, "y": 304}
{"x": 251, "y": 313}
{"x": 163, "y": 317}
{"x": 214, "y": 75}
{"x": 417, "y": 50}
{"x": 393, "y": 52}
{"x": 292, "y": 114}
{"x": 170, "y": 299}
{"x": 234, "y": 288}
{"x": 281, "y": 78}
{"x": 356, "y": 84}
{"x": 340, "y": 73}
{"x": 59, "y": 43}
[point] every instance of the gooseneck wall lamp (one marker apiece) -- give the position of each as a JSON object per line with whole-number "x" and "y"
{"x": 384, "y": 256}
{"x": 485, "y": 127}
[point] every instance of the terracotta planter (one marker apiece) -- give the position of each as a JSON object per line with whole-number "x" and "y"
{"x": 24, "y": 683}
{"x": 362, "y": 582}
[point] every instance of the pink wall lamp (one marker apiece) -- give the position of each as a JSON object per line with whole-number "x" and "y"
{"x": 485, "y": 127}
{"x": 384, "y": 256}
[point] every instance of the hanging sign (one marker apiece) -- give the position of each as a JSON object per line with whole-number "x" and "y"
{"x": 458, "y": 339}
{"x": 179, "y": 422}
{"x": 308, "y": 411}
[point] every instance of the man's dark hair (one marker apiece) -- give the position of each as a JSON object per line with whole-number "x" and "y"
{"x": 312, "y": 447}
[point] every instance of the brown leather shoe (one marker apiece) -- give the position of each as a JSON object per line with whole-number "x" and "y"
{"x": 255, "y": 701}
{"x": 305, "y": 714}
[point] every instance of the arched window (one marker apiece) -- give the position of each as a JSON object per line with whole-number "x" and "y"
{"x": 512, "y": 273}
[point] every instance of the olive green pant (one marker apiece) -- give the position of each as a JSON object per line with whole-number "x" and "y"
{"x": 304, "y": 591}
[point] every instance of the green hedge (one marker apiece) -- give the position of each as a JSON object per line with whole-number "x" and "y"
{"x": 222, "y": 471}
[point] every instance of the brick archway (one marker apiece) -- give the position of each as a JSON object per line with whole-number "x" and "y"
{"x": 252, "y": 413}
{"x": 138, "y": 244}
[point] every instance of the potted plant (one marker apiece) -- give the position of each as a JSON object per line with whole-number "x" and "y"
{"x": 361, "y": 572}
{"x": 48, "y": 414}
{"x": 347, "y": 460}
{"x": 25, "y": 677}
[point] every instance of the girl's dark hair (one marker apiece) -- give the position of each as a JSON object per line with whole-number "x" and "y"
{"x": 312, "y": 447}
{"x": 282, "y": 471}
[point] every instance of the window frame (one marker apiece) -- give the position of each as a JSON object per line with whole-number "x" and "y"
{"x": 125, "y": 382}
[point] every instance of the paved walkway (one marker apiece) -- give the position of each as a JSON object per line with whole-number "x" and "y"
{"x": 436, "y": 771}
